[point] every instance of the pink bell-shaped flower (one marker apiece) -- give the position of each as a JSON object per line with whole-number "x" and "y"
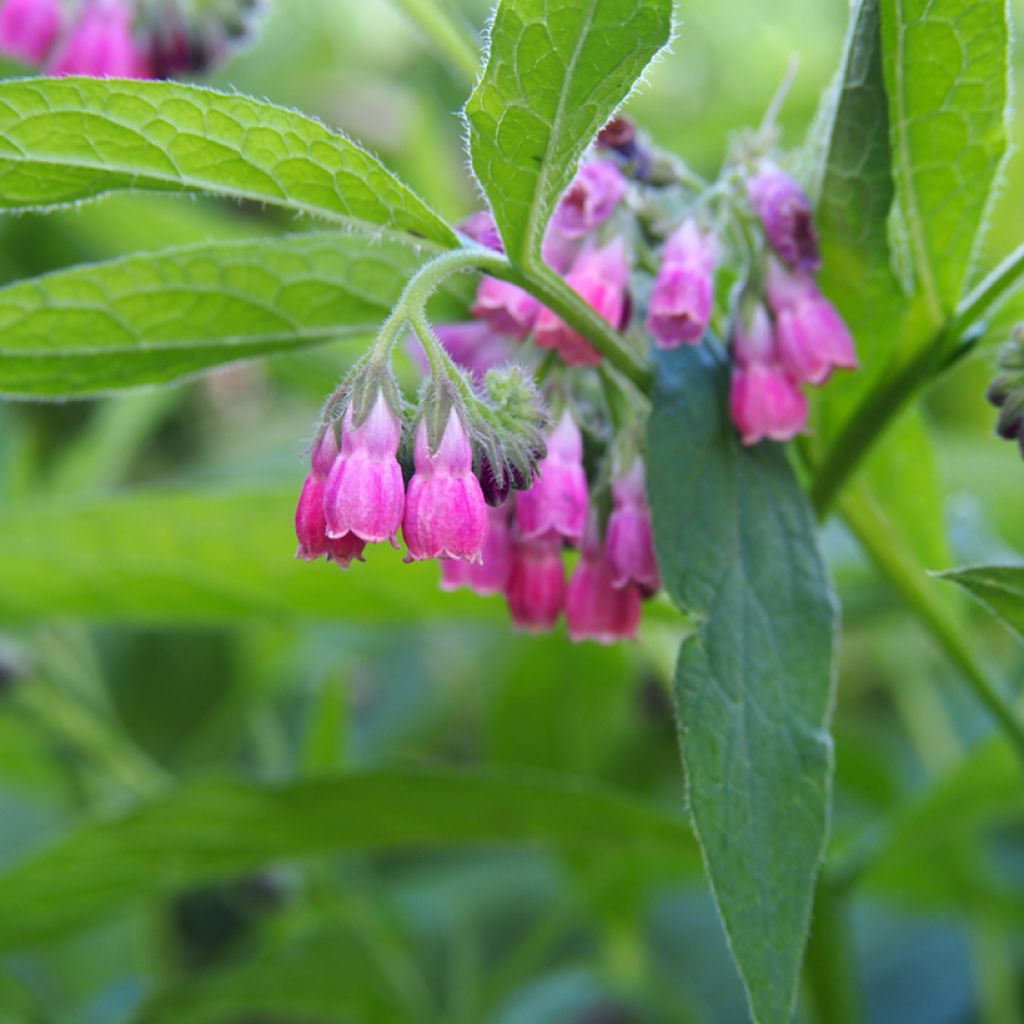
{"x": 102, "y": 43}
{"x": 28, "y": 28}
{"x": 600, "y": 276}
{"x": 629, "y": 540}
{"x": 490, "y": 575}
{"x": 345, "y": 550}
{"x": 595, "y": 608}
{"x": 680, "y": 305}
{"x": 589, "y": 200}
{"x": 536, "y": 584}
{"x": 558, "y": 500}
{"x": 445, "y": 511}
{"x": 365, "y": 492}
{"x": 785, "y": 212}
{"x": 811, "y": 336}
{"x": 506, "y": 307}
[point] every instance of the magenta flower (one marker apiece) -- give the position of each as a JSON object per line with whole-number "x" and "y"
{"x": 558, "y": 500}
{"x": 28, "y": 28}
{"x": 101, "y": 43}
{"x": 590, "y": 199}
{"x": 536, "y": 584}
{"x": 766, "y": 402}
{"x": 365, "y": 492}
{"x": 600, "y": 276}
{"x": 491, "y": 574}
{"x": 812, "y": 338}
{"x": 481, "y": 228}
{"x": 595, "y": 608}
{"x": 344, "y": 550}
{"x": 310, "y": 522}
{"x": 680, "y": 305}
{"x": 785, "y": 211}
{"x": 445, "y": 511}
{"x": 507, "y": 308}
{"x": 629, "y": 541}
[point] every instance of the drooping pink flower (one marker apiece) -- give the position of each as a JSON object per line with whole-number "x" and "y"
{"x": 595, "y": 608}
{"x": 600, "y": 276}
{"x": 472, "y": 344}
{"x": 102, "y": 43}
{"x": 680, "y": 306}
{"x": 506, "y": 307}
{"x": 785, "y": 211}
{"x": 766, "y": 402}
{"x": 558, "y": 500}
{"x": 481, "y": 228}
{"x": 345, "y": 550}
{"x": 310, "y": 522}
{"x": 536, "y": 583}
{"x": 811, "y": 336}
{"x": 588, "y": 202}
{"x": 629, "y": 540}
{"x": 28, "y": 28}
{"x": 490, "y": 575}
{"x": 445, "y": 511}
{"x": 365, "y": 492}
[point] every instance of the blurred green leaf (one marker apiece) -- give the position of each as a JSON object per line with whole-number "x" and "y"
{"x": 554, "y": 75}
{"x": 66, "y": 139}
{"x": 738, "y": 549}
{"x": 946, "y": 72}
{"x": 152, "y": 319}
{"x": 999, "y": 587}
{"x": 216, "y": 829}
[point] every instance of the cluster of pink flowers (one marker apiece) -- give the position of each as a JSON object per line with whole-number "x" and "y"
{"x": 119, "y": 38}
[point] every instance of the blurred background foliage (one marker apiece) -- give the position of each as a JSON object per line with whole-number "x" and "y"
{"x": 136, "y": 670}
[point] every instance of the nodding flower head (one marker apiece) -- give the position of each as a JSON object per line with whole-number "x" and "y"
{"x": 445, "y": 511}
{"x": 787, "y": 217}
{"x": 600, "y": 276}
{"x": 558, "y": 500}
{"x": 680, "y": 305}
{"x": 490, "y": 575}
{"x": 28, "y": 28}
{"x": 310, "y": 521}
{"x": 812, "y": 338}
{"x": 594, "y": 193}
{"x": 629, "y": 540}
{"x": 536, "y": 583}
{"x": 102, "y": 43}
{"x": 365, "y": 492}
{"x": 595, "y": 608}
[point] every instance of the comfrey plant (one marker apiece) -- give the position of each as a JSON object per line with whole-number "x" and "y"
{"x": 635, "y": 381}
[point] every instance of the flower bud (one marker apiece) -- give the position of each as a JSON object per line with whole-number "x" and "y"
{"x": 445, "y": 512}
{"x": 590, "y": 199}
{"x": 599, "y": 276}
{"x": 536, "y": 583}
{"x": 765, "y": 402}
{"x": 595, "y": 608}
{"x": 102, "y": 43}
{"x": 491, "y": 574}
{"x": 811, "y": 336}
{"x": 506, "y": 307}
{"x": 28, "y": 28}
{"x": 785, "y": 211}
{"x": 365, "y": 492}
{"x": 558, "y": 500}
{"x": 1006, "y": 392}
{"x": 680, "y": 306}
{"x": 629, "y": 541}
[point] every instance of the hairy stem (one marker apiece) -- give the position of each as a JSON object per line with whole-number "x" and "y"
{"x": 989, "y": 292}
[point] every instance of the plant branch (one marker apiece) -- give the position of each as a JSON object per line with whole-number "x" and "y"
{"x": 989, "y": 293}
{"x": 450, "y": 34}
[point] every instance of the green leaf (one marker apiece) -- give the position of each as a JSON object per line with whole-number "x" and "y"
{"x": 193, "y": 558}
{"x": 66, "y": 139}
{"x": 999, "y": 587}
{"x": 555, "y": 73}
{"x": 946, "y": 66}
{"x": 151, "y": 319}
{"x": 216, "y": 829}
{"x": 738, "y": 550}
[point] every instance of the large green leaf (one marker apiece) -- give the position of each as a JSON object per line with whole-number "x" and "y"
{"x": 216, "y": 829}
{"x": 154, "y": 318}
{"x": 555, "y": 72}
{"x": 1000, "y": 587}
{"x": 738, "y": 550}
{"x": 66, "y": 139}
{"x": 194, "y": 557}
{"x": 946, "y": 66}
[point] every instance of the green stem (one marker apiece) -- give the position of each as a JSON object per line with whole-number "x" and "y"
{"x": 989, "y": 292}
{"x": 449, "y": 32}
{"x": 873, "y": 534}
{"x": 829, "y": 965}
